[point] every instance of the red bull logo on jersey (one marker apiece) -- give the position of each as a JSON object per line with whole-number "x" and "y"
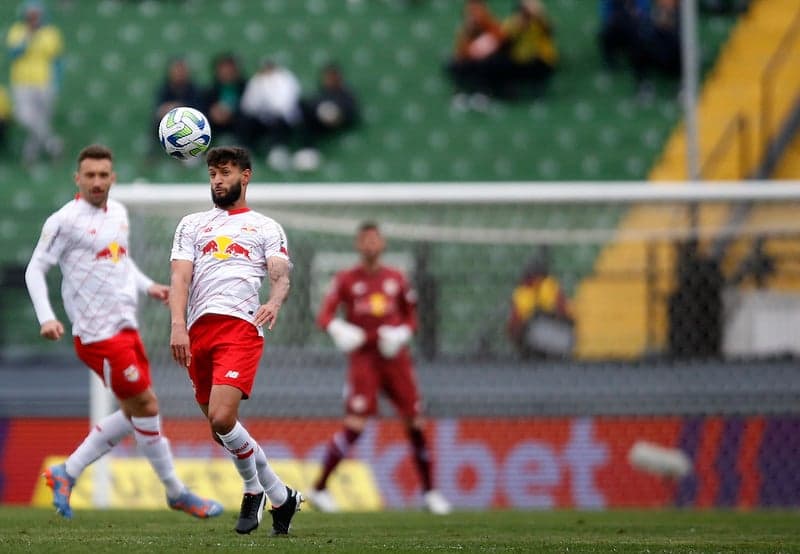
{"x": 114, "y": 252}
{"x": 223, "y": 247}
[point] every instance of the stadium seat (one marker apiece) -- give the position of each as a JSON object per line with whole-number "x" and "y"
{"x": 586, "y": 125}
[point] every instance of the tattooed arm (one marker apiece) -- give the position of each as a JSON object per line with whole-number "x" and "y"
{"x": 278, "y": 269}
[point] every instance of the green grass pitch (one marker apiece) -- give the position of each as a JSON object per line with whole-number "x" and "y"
{"x": 37, "y": 530}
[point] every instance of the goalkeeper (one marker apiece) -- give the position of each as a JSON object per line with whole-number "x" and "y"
{"x": 379, "y": 319}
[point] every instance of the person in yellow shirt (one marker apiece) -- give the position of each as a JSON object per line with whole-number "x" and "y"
{"x": 540, "y": 323}
{"x": 35, "y": 48}
{"x": 529, "y": 44}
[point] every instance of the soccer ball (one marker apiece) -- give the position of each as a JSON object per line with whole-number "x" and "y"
{"x": 184, "y": 133}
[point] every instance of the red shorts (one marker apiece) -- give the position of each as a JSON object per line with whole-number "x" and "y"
{"x": 120, "y": 362}
{"x": 225, "y": 351}
{"x": 370, "y": 373}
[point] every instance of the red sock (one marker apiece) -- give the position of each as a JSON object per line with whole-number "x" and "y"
{"x": 337, "y": 449}
{"x": 422, "y": 458}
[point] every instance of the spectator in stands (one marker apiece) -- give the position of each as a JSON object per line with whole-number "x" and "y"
{"x": 540, "y": 324}
{"x": 620, "y": 21}
{"x": 659, "y": 47}
{"x": 5, "y": 115}
{"x": 177, "y": 89}
{"x": 332, "y": 109}
{"x": 271, "y": 112}
{"x": 35, "y": 48}
{"x": 647, "y": 33}
{"x": 221, "y": 99}
{"x": 478, "y": 47}
{"x": 724, "y": 6}
{"x": 528, "y": 47}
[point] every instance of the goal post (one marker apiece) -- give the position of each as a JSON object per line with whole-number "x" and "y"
{"x": 633, "y": 258}
{"x": 669, "y": 271}
{"x": 540, "y": 192}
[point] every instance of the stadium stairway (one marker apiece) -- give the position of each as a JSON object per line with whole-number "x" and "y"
{"x": 784, "y": 251}
{"x": 631, "y": 281}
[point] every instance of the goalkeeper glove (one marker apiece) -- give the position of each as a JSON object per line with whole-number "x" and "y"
{"x": 391, "y": 338}
{"x": 346, "y": 336}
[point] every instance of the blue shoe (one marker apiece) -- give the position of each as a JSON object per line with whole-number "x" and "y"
{"x": 59, "y": 480}
{"x": 193, "y": 505}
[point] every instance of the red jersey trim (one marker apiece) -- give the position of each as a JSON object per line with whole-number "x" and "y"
{"x": 237, "y": 211}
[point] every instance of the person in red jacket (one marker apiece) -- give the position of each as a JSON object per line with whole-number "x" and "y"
{"x": 380, "y": 317}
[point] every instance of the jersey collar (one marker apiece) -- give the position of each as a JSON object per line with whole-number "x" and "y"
{"x": 238, "y": 211}
{"x": 233, "y": 211}
{"x": 79, "y": 198}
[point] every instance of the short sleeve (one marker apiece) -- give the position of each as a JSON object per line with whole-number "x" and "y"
{"x": 183, "y": 243}
{"x": 53, "y": 42}
{"x": 275, "y": 243}
{"x": 16, "y": 36}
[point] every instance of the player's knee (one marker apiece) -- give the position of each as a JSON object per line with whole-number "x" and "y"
{"x": 221, "y": 421}
{"x": 144, "y": 404}
{"x": 355, "y": 423}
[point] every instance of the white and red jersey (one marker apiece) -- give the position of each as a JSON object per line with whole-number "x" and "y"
{"x": 229, "y": 250}
{"x": 99, "y": 280}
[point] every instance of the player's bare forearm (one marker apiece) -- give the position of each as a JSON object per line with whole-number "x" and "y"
{"x": 279, "y": 284}
{"x": 181, "y": 277}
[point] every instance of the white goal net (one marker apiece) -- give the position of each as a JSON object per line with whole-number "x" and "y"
{"x": 671, "y": 270}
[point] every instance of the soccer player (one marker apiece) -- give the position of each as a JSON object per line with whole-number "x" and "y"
{"x": 88, "y": 239}
{"x": 380, "y": 317}
{"x": 219, "y": 260}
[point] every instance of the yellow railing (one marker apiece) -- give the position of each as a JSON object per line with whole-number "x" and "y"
{"x": 737, "y": 131}
{"x": 768, "y": 80}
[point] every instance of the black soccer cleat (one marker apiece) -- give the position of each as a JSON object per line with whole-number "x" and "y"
{"x": 251, "y": 512}
{"x": 283, "y": 514}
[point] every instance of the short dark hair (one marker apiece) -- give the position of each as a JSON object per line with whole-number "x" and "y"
{"x": 236, "y": 155}
{"x": 224, "y": 57}
{"x": 368, "y": 226}
{"x": 95, "y": 152}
